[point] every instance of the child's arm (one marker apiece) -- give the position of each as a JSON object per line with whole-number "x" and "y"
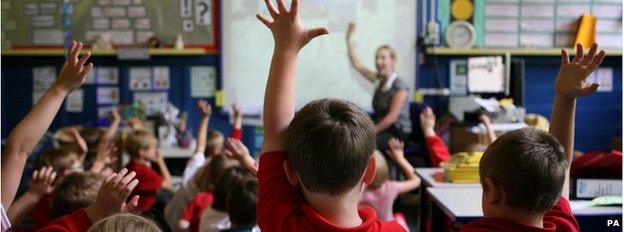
{"x": 29, "y": 131}
{"x": 185, "y": 220}
{"x": 105, "y": 156}
{"x": 40, "y": 185}
{"x": 239, "y": 151}
{"x": 570, "y": 84}
{"x": 205, "y": 111}
{"x": 237, "y": 130}
{"x": 279, "y": 100}
{"x": 437, "y": 149}
{"x": 80, "y": 141}
{"x": 488, "y": 128}
{"x": 111, "y": 131}
{"x": 396, "y": 154}
{"x": 164, "y": 171}
{"x": 355, "y": 62}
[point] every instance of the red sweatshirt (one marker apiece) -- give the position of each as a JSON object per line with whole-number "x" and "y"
{"x": 77, "y": 221}
{"x": 437, "y": 150}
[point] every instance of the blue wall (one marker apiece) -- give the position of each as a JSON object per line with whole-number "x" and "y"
{"x": 599, "y": 116}
{"x": 17, "y": 89}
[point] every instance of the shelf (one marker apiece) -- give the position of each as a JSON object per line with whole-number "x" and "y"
{"x": 503, "y": 51}
{"x": 61, "y": 52}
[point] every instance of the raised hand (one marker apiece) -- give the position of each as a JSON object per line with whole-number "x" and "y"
{"x": 74, "y": 70}
{"x": 41, "y": 181}
{"x": 350, "y": 30}
{"x": 106, "y": 155}
{"x": 395, "y": 151}
{"x": 115, "y": 115}
{"x": 236, "y": 149}
{"x": 204, "y": 108}
{"x": 111, "y": 197}
{"x": 427, "y": 122}
{"x": 80, "y": 141}
{"x": 237, "y": 110}
{"x": 286, "y": 27}
{"x": 571, "y": 79}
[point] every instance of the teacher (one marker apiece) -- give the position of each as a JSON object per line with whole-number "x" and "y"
{"x": 390, "y": 103}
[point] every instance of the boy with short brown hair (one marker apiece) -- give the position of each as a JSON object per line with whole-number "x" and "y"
{"x": 75, "y": 191}
{"x": 525, "y": 173}
{"x": 316, "y": 185}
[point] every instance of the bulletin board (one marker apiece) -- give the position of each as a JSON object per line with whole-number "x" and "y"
{"x": 538, "y": 24}
{"x": 47, "y": 23}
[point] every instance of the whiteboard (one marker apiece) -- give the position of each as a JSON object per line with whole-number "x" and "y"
{"x": 324, "y": 70}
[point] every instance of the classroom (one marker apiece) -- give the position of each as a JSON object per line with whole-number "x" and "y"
{"x": 311, "y": 115}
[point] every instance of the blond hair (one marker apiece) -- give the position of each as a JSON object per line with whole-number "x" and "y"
{"x": 58, "y": 158}
{"x": 382, "y": 173}
{"x": 393, "y": 53}
{"x": 139, "y": 140}
{"x": 213, "y": 139}
{"x": 124, "y": 222}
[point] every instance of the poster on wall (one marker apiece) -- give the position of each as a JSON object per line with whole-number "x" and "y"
{"x": 43, "y": 77}
{"x": 107, "y": 95}
{"x": 161, "y": 78}
{"x": 108, "y": 75}
{"x": 153, "y": 102}
{"x": 203, "y": 81}
{"x": 140, "y": 78}
{"x": 75, "y": 101}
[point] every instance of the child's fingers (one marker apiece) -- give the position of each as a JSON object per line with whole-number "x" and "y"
{"x": 315, "y": 32}
{"x": 294, "y": 7}
{"x": 35, "y": 175}
{"x": 71, "y": 52}
{"x": 590, "y": 55}
{"x": 130, "y": 206}
{"x": 74, "y": 56}
{"x": 119, "y": 176}
{"x": 271, "y": 8}
{"x": 591, "y": 89}
{"x": 86, "y": 70}
{"x": 48, "y": 172}
{"x": 52, "y": 177}
{"x": 132, "y": 185}
{"x": 127, "y": 179}
{"x": 598, "y": 60}
{"x": 281, "y": 6}
{"x": 579, "y": 53}
{"x": 84, "y": 59}
{"x": 264, "y": 20}
{"x": 565, "y": 58}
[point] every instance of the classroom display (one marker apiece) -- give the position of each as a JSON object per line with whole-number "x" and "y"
{"x": 324, "y": 69}
{"x": 36, "y": 23}
{"x": 530, "y": 23}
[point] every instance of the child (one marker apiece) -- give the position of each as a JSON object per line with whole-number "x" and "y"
{"x": 142, "y": 146}
{"x": 27, "y": 133}
{"x": 313, "y": 169}
{"x": 40, "y": 185}
{"x": 537, "y": 200}
{"x": 215, "y": 218}
{"x": 200, "y": 194}
{"x": 241, "y": 204}
{"x": 75, "y": 191}
{"x": 110, "y": 199}
{"x": 209, "y": 142}
{"x": 381, "y": 193}
{"x": 435, "y": 145}
{"x": 124, "y": 222}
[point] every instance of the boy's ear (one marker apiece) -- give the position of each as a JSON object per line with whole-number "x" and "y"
{"x": 494, "y": 191}
{"x": 371, "y": 169}
{"x": 291, "y": 174}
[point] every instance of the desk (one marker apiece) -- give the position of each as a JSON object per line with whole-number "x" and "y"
{"x": 463, "y": 205}
{"x": 432, "y": 178}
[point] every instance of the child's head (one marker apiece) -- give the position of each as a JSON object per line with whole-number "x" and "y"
{"x": 124, "y": 222}
{"x": 330, "y": 144}
{"x": 382, "y": 174}
{"x": 214, "y": 143}
{"x": 206, "y": 177}
{"x": 226, "y": 181}
{"x": 241, "y": 203}
{"x": 63, "y": 161}
{"x": 75, "y": 191}
{"x": 385, "y": 58}
{"x": 141, "y": 144}
{"x": 522, "y": 171}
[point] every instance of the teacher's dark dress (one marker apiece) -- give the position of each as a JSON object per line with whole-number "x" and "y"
{"x": 382, "y": 100}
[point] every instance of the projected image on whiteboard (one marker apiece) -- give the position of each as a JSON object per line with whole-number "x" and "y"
{"x": 486, "y": 75}
{"x": 324, "y": 70}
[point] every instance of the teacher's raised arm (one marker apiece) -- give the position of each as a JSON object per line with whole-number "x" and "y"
{"x": 355, "y": 62}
